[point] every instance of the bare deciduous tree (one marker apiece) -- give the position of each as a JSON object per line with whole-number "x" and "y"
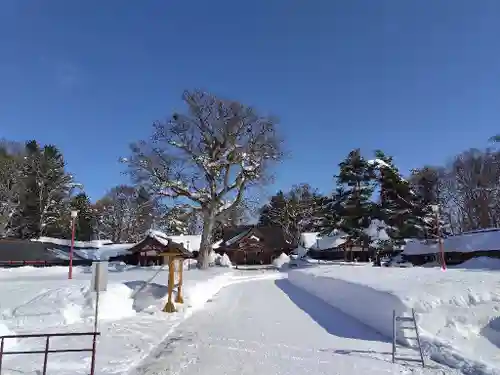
{"x": 472, "y": 188}
{"x": 124, "y": 214}
{"x": 207, "y": 157}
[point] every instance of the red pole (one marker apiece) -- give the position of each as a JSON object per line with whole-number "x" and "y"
{"x": 70, "y": 273}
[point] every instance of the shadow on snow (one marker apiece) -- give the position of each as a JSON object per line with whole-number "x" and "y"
{"x": 334, "y": 321}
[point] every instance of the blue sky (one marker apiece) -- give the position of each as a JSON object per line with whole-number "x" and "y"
{"x": 418, "y": 79}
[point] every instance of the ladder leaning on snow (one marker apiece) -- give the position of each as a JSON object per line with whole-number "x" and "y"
{"x": 402, "y": 319}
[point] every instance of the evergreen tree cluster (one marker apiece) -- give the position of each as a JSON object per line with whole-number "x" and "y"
{"x": 370, "y": 197}
{"x": 37, "y": 195}
{"x": 35, "y": 191}
{"x": 296, "y": 211}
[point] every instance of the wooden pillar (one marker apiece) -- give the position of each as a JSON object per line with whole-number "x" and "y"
{"x": 179, "y": 298}
{"x": 169, "y": 307}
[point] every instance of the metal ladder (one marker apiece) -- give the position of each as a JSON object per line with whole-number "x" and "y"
{"x": 405, "y": 319}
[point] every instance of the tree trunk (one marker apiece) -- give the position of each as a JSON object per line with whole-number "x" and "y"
{"x": 206, "y": 239}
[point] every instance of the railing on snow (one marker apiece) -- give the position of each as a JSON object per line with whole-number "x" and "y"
{"x": 46, "y": 351}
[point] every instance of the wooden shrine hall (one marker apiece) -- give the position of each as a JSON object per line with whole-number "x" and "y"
{"x": 151, "y": 251}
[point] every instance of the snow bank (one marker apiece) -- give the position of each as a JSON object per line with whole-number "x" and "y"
{"x": 457, "y": 310}
{"x": 130, "y": 325}
{"x": 224, "y": 261}
{"x": 481, "y": 263}
{"x": 281, "y": 261}
{"x": 114, "y": 304}
{"x": 200, "y": 293}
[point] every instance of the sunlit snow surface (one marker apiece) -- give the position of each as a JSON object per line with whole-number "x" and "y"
{"x": 259, "y": 323}
{"x": 458, "y": 310}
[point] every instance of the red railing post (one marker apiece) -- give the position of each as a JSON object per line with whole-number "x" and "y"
{"x": 1, "y": 354}
{"x": 46, "y": 356}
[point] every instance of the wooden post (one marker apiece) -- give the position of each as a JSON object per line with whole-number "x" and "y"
{"x": 169, "y": 307}
{"x": 179, "y": 298}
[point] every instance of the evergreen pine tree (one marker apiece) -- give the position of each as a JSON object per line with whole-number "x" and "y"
{"x": 353, "y": 198}
{"x": 426, "y": 185}
{"x": 273, "y": 212}
{"x": 10, "y": 189}
{"x": 332, "y": 212}
{"x": 84, "y": 226}
{"x": 397, "y": 203}
{"x": 46, "y": 192}
{"x": 28, "y": 219}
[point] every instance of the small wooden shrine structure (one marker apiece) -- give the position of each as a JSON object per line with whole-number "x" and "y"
{"x": 164, "y": 251}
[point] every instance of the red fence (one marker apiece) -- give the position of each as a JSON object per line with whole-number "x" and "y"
{"x": 46, "y": 351}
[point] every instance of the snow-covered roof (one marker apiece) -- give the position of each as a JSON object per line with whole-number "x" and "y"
{"x": 190, "y": 242}
{"x": 236, "y": 238}
{"x": 308, "y": 240}
{"x": 376, "y": 231}
{"x": 330, "y": 242}
{"x": 96, "y": 244}
{"x": 463, "y": 243}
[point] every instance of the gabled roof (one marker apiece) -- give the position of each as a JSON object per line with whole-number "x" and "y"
{"x": 272, "y": 237}
{"x": 159, "y": 243}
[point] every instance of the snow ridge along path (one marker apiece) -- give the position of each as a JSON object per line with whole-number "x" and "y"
{"x": 272, "y": 327}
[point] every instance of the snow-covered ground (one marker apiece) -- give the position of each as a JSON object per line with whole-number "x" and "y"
{"x": 271, "y": 327}
{"x": 458, "y": 311}
{"x": 261, "y": 324}
{"x": 42, "y": 300}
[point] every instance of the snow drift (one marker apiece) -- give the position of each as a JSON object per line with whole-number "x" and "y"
{"x": 132, "y": 324}
{"x": 281, "y": 261}
{"x": 457, "y": 310}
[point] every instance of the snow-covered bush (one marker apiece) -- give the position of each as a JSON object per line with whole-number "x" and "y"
{"x": 224, "y": 261}
{"x": 281, "y": 261}
{"x": 213, "y": 258}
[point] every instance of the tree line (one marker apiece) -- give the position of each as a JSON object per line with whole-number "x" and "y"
{"x": 195, "y": 173}
{"x": 37, "y": 195}
{"x": 464, "y": 192}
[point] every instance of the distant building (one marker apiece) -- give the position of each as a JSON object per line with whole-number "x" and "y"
{"x": 252, "y": 245}
{"x": 148, "y": 252}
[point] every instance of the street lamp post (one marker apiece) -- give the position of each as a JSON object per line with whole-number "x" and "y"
{"x": 435, "y": 209}
{"x": 74, "y": 214}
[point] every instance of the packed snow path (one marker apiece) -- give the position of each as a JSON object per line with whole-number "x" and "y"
{"x": 271, "y": 327}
